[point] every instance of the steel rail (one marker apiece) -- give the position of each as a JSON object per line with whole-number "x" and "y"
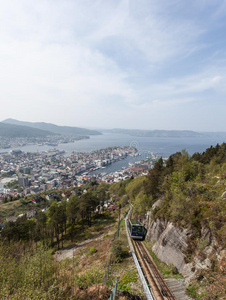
{"x": 140, "y": 272}
{"x": 146, "y": 269}
{"x": 158, "y": 287}
{"x": 156, "y": 274}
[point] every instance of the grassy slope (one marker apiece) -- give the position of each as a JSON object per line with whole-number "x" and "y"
{"x": 41, "y": 276}
{"x": 18, "y": 207}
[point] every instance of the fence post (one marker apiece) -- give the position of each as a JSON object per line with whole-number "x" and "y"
{"x": 114, "y": 291}
{"x": 117, "y": 232}
{"x": 119, "y": 211}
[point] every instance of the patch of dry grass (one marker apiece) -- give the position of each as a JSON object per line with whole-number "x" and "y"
{"x": 86, "y": 266}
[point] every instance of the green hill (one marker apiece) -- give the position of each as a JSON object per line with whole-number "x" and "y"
{"x": 156, "y": 133}
{"x": 64, "y": 130}
{"x": 12, "y": 131}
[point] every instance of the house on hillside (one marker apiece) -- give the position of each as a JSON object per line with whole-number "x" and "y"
{"x": 12, "y": 218}
{"x": 66, "y": 194}
{"x": 76, "y": 192}
{"x": 37, "y": 199}
{"x": 52, "y": 196}
{"x": 112, "y": 207}
{"x": 31, "y": 214}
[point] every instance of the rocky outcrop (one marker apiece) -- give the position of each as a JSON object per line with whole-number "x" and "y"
{"x": 170, "y": 243}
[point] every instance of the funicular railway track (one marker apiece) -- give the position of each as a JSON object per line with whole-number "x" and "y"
{"x": 157, "y": 285}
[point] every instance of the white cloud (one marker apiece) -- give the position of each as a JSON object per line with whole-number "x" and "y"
{"x": 221, "y": 9}
{"x": 56, "y": 57}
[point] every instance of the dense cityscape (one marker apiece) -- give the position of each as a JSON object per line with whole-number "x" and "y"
{"x": 25, "y": 173}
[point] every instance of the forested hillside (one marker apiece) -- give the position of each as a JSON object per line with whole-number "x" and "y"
{"x": 189, "y": 192}
{"x": 191, "y": 189}
{"x": 12, "y": 131}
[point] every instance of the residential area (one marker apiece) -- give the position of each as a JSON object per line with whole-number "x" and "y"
{"x": 24, "y": 173}
{"x": 8, "y": 142}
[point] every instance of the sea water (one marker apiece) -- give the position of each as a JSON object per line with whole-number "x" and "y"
{"x": 146, "y": 146}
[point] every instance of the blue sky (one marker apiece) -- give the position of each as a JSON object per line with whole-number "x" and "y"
{"x": 143, "y": 64}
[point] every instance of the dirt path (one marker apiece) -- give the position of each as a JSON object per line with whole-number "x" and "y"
{"x": 69, "y": 251}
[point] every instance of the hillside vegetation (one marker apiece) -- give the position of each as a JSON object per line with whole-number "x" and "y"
{"x": 54, "y": 129}
{"x": 31, "y": 269}
{"x": 11, "y": 131}
{"x": 190, "y": 190}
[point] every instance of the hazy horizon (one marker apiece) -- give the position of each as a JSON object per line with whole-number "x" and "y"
{"x": 117, "y": 128}
{"x": 149, "y": 65}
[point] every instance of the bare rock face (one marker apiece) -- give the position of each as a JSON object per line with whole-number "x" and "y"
{"x": 170, "y": 243}
{"x": 156, "y": 229}
{"x": 170, "y": 246}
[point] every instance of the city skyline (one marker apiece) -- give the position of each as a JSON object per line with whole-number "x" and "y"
{"x": 114, "y": 64}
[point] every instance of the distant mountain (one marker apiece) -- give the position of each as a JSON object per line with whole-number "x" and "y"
{"x": 13, "y": 131}
{"x": 215, "y": 134}
{"x": 156, "y": 133}
{"x": 64, "y": 130}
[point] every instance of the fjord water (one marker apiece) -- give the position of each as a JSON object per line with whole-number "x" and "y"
{"x": 160, "y": 146}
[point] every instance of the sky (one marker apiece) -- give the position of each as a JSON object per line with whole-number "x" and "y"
{"x": 147, "y": 64}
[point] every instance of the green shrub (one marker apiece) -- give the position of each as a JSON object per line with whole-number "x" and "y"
{"x": 192, "y": 291}
{"x": 117, "y": 251}
{"x": 93, "y": 276}
{"x": 125, "y": 281}
{"x": 92, "y": 250}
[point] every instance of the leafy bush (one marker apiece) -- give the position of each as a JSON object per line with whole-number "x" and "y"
{"x": 92, "y": 250}
{"x": 92, "y": 276}
{"x": 192, "y": 291}
{"x": 126, "y": 279}
{"x": 117, "y": 251}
